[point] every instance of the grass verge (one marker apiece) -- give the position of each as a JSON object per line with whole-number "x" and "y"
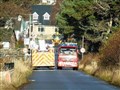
{"x": 19, "y": 76}
{"x": 90, "y": 65}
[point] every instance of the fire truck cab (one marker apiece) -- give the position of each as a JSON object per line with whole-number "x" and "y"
{"x": 68, "y": 56}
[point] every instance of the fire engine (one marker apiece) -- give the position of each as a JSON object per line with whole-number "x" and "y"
{"x": 43, "y": 56}
{"x": 68, "y": 56}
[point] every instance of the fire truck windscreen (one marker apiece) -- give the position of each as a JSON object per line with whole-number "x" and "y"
{"x": 67, "y": 50}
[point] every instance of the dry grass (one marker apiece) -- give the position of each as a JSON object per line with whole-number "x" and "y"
{"x": 6, "y": 86}
{"x": 111, "y": 76}
{"x": 104, "y": 74}
{"x": 116, "y": 77}
{"x": 21, "y": 73}
{"x": 90, "y": 65}
{"x": 19, "y": 76}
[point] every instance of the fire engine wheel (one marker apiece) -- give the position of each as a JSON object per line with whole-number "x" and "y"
{"x": 60, "y": 68}
{"x": 75, "y": 68}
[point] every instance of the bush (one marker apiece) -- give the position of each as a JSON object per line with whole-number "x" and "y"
{"x": 110, "y": 52}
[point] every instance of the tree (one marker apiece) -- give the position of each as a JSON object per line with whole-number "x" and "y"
{"x": 55, "y": 10}
{"x": 5, "y": 34}
{"x": 110, "y": 54}
{"x": 12, "y": 8}
{"x": 93, "y": 19}
{"x": 9, "y": 10}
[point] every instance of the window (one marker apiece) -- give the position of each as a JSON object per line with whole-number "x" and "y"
{"x": 31, "y": 28}
{"x": 48, "y": 2}
{"x": 67, "y": 50}
{"x": 41, "y": 29}
{"x": 46, "y": 16}
{"x": 56, "y": 29}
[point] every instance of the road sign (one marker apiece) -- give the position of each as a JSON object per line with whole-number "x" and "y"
{"x": 32, "y": 44}
{"x": 26, "y": 41}
{"x": 25, "y": 50}
{"x": 82, "y": 50}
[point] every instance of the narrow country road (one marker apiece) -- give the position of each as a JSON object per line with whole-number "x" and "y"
{"x": 65, "y": 80}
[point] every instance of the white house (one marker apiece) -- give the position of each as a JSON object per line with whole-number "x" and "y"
{"x": 42, "y": 31}
{"x": 49, "y": 2}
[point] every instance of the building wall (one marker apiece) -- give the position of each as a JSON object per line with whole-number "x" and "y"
{"x": 45, "y": 33}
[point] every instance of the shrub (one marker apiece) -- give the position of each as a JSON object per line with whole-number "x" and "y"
{"x": 110, "y": 52}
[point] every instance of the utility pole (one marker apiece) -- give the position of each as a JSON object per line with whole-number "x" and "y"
{"x": 82, "y": 41}
{"x": 82, "y": 46}
{"x": 82, "y": 49}
{"x": 29, "y": 32}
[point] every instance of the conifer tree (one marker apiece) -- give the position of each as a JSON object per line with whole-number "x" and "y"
{"x": 93, "y": 19}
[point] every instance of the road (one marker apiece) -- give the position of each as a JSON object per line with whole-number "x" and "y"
{"x": 65, "y": 80}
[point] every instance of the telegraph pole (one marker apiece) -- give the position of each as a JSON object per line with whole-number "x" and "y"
{"x": 82, "y": 49}
{"x": 29, "y": 32}
{"x": 82, "y": 41}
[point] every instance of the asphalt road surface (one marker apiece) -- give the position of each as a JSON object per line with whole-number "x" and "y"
{"x": 65, "y": 80}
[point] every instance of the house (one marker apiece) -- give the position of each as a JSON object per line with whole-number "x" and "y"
{"x": 43, "y": 31}
{"x": 41, "y": 27}
{"x": 48, "y": 2}
{"x": 43, "y": 12}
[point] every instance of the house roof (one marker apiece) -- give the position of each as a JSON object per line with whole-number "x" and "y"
{"x": 41, "y": 10}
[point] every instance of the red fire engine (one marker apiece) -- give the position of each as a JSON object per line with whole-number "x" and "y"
{"x": 68, "y": 56}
